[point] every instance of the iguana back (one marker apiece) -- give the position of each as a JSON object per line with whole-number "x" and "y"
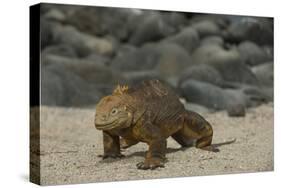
{"x": 160, "y": 101}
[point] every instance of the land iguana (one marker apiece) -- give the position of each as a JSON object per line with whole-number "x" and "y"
{"x": 149, "y": 112}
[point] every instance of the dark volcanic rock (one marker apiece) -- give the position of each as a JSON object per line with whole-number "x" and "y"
{"x": 175, "y": 19}
{"x": 212, "y": 40}
{"x": 269, "y": 51}
{"x": 47, "y": 32}
{"x": 220, "y": 20}
{"x": 268, "y": 93}
{"x": 83, "y": 44}
{"x": 143, "y": 58}
{"x": 227, "y": 62}
{"x": 87, "y": 50}
{"x": 204, "y": 52}
{"x": 233, "y": 100}
{"x": 135, "y": 77}
{"x": 52, "y": 88}
{"x": 188, "y": 38}
{"x": 103, "y": 60}
{"x": 201, "y": 72}
{"x": 53, "y": 33}
{"x": 123, "y": 52}
{"x": 236, "y": 110}
{"x": 197, "y": 108}
{"x": 55, "y": 15}
{"x": 102, "y": 77}
{"x": 236, "y": 102}
{"x": 150, "y": 55}
{"x": 60, "y": 50}
{"x": 93, "y": 72}
{"x": 258, "y": 30}
{"x": 101, "y": 21}
{"x": 60, "y": 87}
{"x": 149, "y": 27}
{"x": 206, "y": 94}
{"x": 47, "y": 59}
{"x": 172, "y": 59}
{"x": 252, "y": 54}
{"x": 63, "y": 8}
{"x": 206, "y": 28}
{"x": 264, "y": 73}
{"x": 85, "y": 68}
{"x": 256, "y": 95}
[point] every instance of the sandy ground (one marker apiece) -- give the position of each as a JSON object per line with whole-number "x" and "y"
{"x": 70, "y": 145}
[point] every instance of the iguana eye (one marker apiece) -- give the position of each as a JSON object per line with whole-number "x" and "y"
{"x": 114, "y": 111}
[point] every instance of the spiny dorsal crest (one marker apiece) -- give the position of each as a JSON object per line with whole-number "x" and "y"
{"x": 120, "y": 90}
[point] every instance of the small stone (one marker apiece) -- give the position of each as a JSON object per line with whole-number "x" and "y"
{"x": 237, "y": 110}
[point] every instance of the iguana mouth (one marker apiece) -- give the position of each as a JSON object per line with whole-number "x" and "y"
{"x": 106, "y": 126}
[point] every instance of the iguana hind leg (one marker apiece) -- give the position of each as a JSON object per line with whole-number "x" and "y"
{"x": 204, "y": 143}
{"x": 182, "y": 139}
{"x": 195, "y": 128}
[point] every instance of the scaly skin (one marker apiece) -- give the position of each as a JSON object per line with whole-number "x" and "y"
{"x": 150, "y": 113}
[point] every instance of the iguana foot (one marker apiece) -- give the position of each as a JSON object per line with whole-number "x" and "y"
{"x": 111, "y": 156}
{"x": 152, "y": 164}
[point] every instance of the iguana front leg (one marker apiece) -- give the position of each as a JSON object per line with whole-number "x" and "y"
{"x": 111, "y": 146}
{"x": 155, "y": 157}
{"x": 151, "y": 134}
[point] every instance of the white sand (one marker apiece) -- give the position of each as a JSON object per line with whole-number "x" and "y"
{"x": 70, "y": 145}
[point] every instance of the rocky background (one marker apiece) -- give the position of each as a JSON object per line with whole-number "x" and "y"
{"x": 214, "y": 62}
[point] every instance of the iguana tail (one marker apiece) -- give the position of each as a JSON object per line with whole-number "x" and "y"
{"x": 224, "y": 143}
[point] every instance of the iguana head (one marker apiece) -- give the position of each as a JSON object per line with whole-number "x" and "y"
{"x": 112, "y": 113}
